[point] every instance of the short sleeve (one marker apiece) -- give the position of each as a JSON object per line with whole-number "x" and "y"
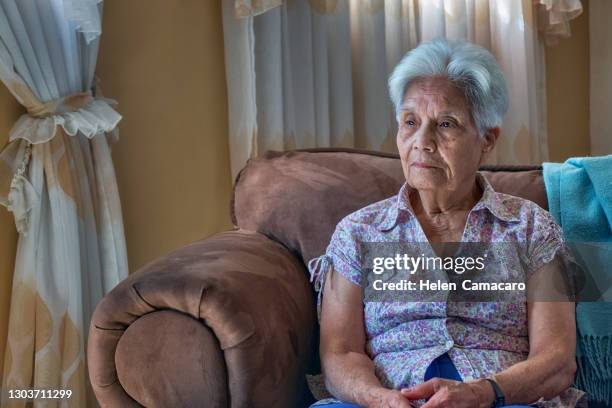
{"x": 546, "y": 243}
{"x": 343, "y": 253}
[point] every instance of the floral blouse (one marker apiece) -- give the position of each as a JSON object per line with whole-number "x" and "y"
{"x": 481, "y": 338}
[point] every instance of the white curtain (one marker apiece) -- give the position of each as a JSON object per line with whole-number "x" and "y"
{"x": 313, "y": 73}
{"x": 57, "y": 177}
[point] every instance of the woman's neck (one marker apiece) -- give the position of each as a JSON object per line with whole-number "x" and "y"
{"x": 436, "y": 202}
{"x": 443, "y": 214}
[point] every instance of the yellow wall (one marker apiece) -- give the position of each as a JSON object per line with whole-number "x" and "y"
{"x": 567, "y": 83}
{"x": 9, "y": 112}
{"x": 163, "y": 61}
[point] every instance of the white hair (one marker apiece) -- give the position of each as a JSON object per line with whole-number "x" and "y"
{"x": 468, "y": 66}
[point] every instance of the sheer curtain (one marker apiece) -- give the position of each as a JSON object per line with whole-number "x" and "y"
{"x": 57, "y": 177}
{"x": 308, "y": 73}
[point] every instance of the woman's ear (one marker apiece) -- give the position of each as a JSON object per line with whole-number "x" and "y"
{"x": 490, "y": 139}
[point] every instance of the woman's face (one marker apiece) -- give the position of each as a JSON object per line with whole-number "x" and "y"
{"x": 437, "y": 138}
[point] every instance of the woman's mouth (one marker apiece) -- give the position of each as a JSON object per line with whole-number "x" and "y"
{"x": 423, "y": 165}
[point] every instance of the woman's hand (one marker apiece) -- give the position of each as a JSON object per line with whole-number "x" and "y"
{"x": 444, "y": 393}
{"x": 389, "y": 399}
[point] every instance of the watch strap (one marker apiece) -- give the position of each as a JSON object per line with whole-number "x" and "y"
{"x": 500, "y": 399}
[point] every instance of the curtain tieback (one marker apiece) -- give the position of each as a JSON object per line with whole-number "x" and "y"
{"x": 80, "y": 112}
{"x": 86, "y": 112}
{"x": 70, "y": 103}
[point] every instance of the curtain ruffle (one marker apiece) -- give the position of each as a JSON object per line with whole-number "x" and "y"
{"x": 21, "y": 200}
{"x": 86, "y": 15}
{"x": 554, "y": 17}
{"x": 19, "y": 196}
{"x": 249, "y": 8}
{"x": 96, "y": 117}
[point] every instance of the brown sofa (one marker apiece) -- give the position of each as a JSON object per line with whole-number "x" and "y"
{"x": 230, "y": 320}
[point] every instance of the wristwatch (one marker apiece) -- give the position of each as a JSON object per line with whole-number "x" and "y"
{"x": 500, "y": 400}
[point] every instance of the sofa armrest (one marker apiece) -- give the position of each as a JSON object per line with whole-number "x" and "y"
{"x": 252, "y": 294}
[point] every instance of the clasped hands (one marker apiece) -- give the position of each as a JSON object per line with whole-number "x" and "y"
{"x": 441, "y": 393}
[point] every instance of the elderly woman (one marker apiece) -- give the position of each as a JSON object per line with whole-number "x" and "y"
{"x": 450, "y": 99}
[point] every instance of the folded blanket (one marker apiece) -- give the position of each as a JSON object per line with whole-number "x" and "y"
{"x": 580, "y": 198}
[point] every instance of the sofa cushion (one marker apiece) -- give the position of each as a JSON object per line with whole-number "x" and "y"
{"x": 298, "y": 197}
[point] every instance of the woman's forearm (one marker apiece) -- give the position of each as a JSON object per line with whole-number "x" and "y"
{"x": 349, "y": 376}
{"x": 544, "y": 375}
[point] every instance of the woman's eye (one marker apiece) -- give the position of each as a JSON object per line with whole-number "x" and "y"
{"x": 446, "y": 124}
{"x": 410, "y": 122}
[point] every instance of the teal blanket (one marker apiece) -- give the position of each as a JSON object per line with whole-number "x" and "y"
{"x": 580, "y": 198}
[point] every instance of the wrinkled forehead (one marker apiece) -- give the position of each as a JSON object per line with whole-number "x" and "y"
{"x": 437, "y": 94}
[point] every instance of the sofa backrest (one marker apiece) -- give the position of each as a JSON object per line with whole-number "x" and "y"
{"x": 298, "y": 197}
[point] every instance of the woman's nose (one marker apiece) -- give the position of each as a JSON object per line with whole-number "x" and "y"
{"x": 425, "y": 139}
